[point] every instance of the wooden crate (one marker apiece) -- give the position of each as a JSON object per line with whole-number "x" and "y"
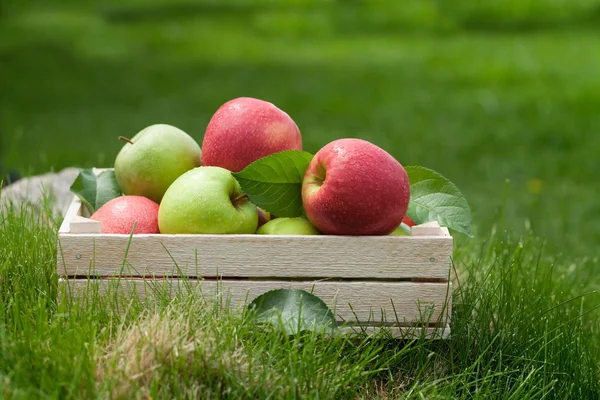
{"x": 401, "y": 282}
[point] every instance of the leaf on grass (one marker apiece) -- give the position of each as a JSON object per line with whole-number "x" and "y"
{"x": 293, "y": 309}
{"x": 94, "y": 191}
{"x": 434, "y": 198}
{"x": 274, "y": 183}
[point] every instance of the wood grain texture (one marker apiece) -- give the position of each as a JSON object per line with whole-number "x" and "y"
{"x": 388, "y": 257}
{"x": 399, "y": 332}
{"x": 418, "y": 230}
{"x": 372, "y": 257}
{"x": 81, "y": 224}
{"x": 396, "y": 303}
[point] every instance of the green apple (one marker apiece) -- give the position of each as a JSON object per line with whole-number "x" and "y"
{"x": 206, "y": 200}
{"x": 288, "y": 226}
{"x": 153, "y": 159}
{"x": 402, "y": 230}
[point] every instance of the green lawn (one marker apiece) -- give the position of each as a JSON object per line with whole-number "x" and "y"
{"x": 482, "y": 94}
{"x": 479, "y": 106}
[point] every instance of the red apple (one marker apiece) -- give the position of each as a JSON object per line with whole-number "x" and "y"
{"x": 408, "y": 221}
{"x": 246, "y": 129}
{"x": 353, "y": 187}
{"x": 119, "y": 214}
{"x": 263, "y": 217}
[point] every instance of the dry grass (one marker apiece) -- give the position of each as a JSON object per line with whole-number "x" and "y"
{"x": 160, "y": 344}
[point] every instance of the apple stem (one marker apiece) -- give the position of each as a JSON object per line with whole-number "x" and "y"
{"x": 240, "y": 197}
{"x": 123, "y": 138}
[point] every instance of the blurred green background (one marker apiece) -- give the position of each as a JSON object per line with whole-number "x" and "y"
{"x": 480, "y": 91}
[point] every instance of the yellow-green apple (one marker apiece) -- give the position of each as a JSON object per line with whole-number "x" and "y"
{"x": 150, "y": 161}
{"x": 353, "y": 187}
{"x": 245, "y": 129}
{"x": 288, "y": 226}
{"x": 206, "y": 200}
{"x": 121, "y": 213}
{"x": 402, "y": 230}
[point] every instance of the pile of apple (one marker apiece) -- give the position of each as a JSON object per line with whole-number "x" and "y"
{"x": 171, "y": 185}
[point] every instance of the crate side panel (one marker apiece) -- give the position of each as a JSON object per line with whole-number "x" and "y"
{"x": 400, "y": 332}
{"x": 356, "y": 302}
{"x": 377, "y": 257}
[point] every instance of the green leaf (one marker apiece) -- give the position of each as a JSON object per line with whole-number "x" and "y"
{"x": 274, "y": 183}
{"x": 94, "y": 191}
{"x": 434, "y": 198}
{"x": 294, "y": 310}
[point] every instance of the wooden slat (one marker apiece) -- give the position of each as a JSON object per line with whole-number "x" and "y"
{"x": 73, "y": 211}
{"x": 431, "y": 228}
{"x": 383, "y": 257}
{"x": 84, "y": 225}
{"x": 397, "y": 303}
{"x": 401, "y": 331}
{"x": 387, "y": 257}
